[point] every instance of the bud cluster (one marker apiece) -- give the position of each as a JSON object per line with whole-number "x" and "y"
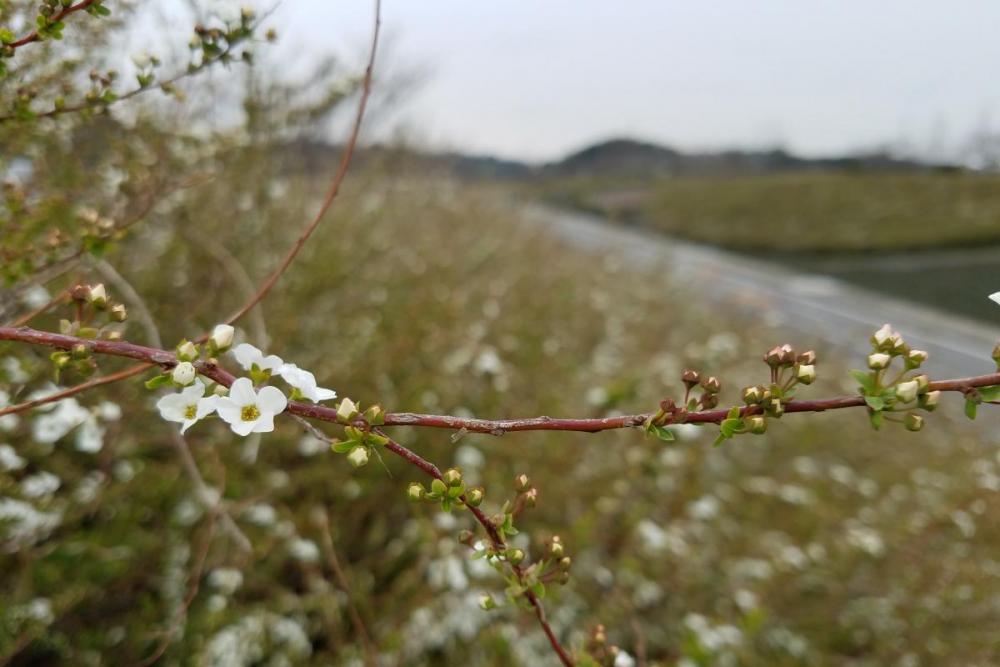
{"x": 449, "y": 490}
{"x": 599, "y": 650}
{"x": 906, "y": 392}
{"x": 94, "y": 316}
{"x": 360, "y": 440}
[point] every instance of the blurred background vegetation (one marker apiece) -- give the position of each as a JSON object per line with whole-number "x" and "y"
{"x": 820, "y": 542}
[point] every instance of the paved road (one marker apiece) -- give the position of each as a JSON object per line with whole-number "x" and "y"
{"x": 819, "y": 307}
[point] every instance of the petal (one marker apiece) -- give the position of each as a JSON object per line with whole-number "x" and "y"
{"x": 322, "y": 394}
{"x": 271, "y": 400}
{"x": 247, "y": 355}
{"x": 270, "y": 363}
{"x": 242, "y": 427}
{"x": 229, "y": 411}
{"x": 195, "y": 391}
{"x": 188, "y": 423}
{"x": 242, "y": 393}
{"x": 207, "y": 406}
{"x": 264, "y": 423}
{"x": 995, "y": 297}
{"x": 172, "y": 407}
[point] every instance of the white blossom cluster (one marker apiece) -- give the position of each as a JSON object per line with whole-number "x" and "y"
{"x": 246, "y": 409}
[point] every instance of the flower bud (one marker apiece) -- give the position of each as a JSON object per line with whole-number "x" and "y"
{"x": 222, "y": 337}
{"x": 486, "y": 602}
{"x": 807, "y": 358}
{"x": 415, "y": 492}
{"x": 347, "y": 411}
{"x": 521, "y": 483}
{"x": 531, "y": 497}
{"x": 474, "y": 497}
{"x": 709, "y": 401}
{"x": 556, "y": 547}
{"x": 757, "y": 424}
{"x": 711, "y": 384}
{"x": 773, "y": 357}
{"x": 452, "y": 477}
{"x": 183, "y": 373}
{"x": 752, "y": 395}
{"x": 881, "y": 339}
{"x": 466, "y": 537}
{"x": 79, "y": 351}
{"x": 929, "y": 401}
{"x": 923, "y": 383}
{"x": 187, "y": 351}
{"x": 878, "y": 361}
{"x": 564, "y": 563}
{"x": 98, "y": 295}
{"x": 787, "y": 356}
{"x": 60, "y": 359}
{"x": 805, "y": 373}
{"x": 690, "y": 378}
{"x": 113, "y": 335}
{"x": 914, "y": 358}
{"x": 118, "y": 312}
{"x": 515, "y": 556}
{"x": 907, "y": 391}
{"x": 776, "y": 408}
{"x": 375, "y": 415}
{"x": 913, "y": 422}
{"x": 358, "y": 456}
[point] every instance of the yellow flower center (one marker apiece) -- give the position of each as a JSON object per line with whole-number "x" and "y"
{"x": 249, "y": 413}
{"x": 191, "y": 412}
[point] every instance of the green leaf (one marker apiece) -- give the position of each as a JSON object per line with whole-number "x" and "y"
{"x": 987, "y": 394}
{"x": 876, "y": 420}
{"x": 439, "y": 487}
{"x": 728, "y": 427}
{"x": 6, "y": 36}
{"x": 157, "y": 382}
{"x": 970, "y": 408}
{"x": 661, "y": 432}
{"x": 539, "y": 590}
{"x": 343, "y": 446}
{"x": 876, "y": 403}
{"x": 865, "y": 379}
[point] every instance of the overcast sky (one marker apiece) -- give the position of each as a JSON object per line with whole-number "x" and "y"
{"x": 538, "y": 78}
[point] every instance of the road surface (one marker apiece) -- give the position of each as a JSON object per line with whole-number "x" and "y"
{"x": 819, "y": 307}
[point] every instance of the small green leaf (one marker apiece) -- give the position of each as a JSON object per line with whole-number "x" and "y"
{"x": 876, "y": 403}
{"x": 970, "y": 408}
{"x": 539, "y": 590}
{"x": 728, "y": 427}
{"x": 876, "y": 420}
{"x": 661, "y": 432}
{"x": 865, "y": 379}
{"x": 343, "y": 446}
{"x": 157, "y": 382}
{"x": 987, "y": 394}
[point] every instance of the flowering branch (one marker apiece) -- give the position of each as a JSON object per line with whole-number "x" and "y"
{"x": 47, "y": 24}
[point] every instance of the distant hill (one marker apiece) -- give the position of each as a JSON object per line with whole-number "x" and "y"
{"x": 628, "y": 157}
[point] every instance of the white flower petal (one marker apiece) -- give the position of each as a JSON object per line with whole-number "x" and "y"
{"x": 241, "y": 427}
{"x": 271, "y": 400}
{"x": 172, "y": 407}
{"x": 995, "y": 297}
{"x": 242, "y": 393}
{"x": 264, "y": 423}
{"x": 322, "y": 394}
{"x": 228, "y": 410}
{"x": 206, "y": 406}
{"x": 247, "y": 355}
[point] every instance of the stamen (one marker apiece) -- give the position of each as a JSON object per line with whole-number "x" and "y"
{"x": 249, "y": 413}
{"x": 191, "y": 412}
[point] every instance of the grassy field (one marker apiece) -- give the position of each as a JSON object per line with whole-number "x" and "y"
{"x": 819, "y": 543}
{"x": 818, "y": 211}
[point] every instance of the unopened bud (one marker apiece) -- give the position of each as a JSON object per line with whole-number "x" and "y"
{"x": 466, "y": 537}
{"x": 118, "y": 312}
{"x": 415, "y": 492}
{"x": 878, "y": 361}
{"x": 773, "y": 357}
{"x": 452, "y": 477}
{"x": 60, "y": 359}
{"x": 776, "y": 408}
{"x": 564, "y": 563}
{"x": 915, "y": 358}
{"x": 187, "y": 351}
{"x": 375, "y": 415}
{"x": 556, "y": 547}
{"x": 183, "y": 373}
{"x": 515, "y": 556}
{"x": 913, "y": 422}
{"x": 113, "y": 335}
{"x": 906, "y": 391}
{"x": 711, "y": 384}
{"x": 757, "y": 424}
{"x": 882, "y": 339}
{"x": 358, "y": 456}
{"x": 807, "y": 358}
{"x": 531, "y": 497}
{"x": 923, "y": 383}
{"x": 521, "y": 483}
{"x": 474, "y": 497}
{"x": 787, "y": 355}
{"x": 222, "y": 337}
{"x": 98, "y": 295}
{"x": 486, "y": 602}
{"x": 929, "y": 401}
{"x": 805, "y": 373}
{"x": 752, "y": 395}
{"x": 346, "y": 411}
{"x": 79, "y": 351}
{"x": 709, "y": 401}
{"x": 690, "y": 378}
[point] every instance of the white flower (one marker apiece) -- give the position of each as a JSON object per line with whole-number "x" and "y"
{"x": 305, "y": 382}
{"x": 187, "y": 406}
{"x": 247, "y": 411}
{"x": 995, "y": 297}
{"x": 249, "y": 356}
{"x": 184, "y": 373}
{"x": 222, "y": 336}
{"x": 907, "y": 391}
{"x": 9, "y": 459}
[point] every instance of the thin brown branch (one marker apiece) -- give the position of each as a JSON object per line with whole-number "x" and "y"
{"x": 72, "y": 391}
{"x": 27, "y": 317}
{"x": 34, "y": 36}
{"x": 338, "y": 179}
{"x": 371, "y": 652}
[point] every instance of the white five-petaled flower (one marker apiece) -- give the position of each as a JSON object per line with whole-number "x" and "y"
{"x": 249, "y": 356}
{"x": 305, "y": 382}
{"x": 187, "y": 406}
{"x": 247, "y": 411}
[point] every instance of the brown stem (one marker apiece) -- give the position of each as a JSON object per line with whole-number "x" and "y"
{"x": 338, "y": 179}
{"x": 55, "y": 18}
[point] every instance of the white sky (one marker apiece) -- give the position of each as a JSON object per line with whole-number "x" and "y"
{"x": 535, "y": 79}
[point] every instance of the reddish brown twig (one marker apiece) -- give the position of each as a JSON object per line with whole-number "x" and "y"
{"x": 338, "y": 179}
{"x": 34, "y": 36}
